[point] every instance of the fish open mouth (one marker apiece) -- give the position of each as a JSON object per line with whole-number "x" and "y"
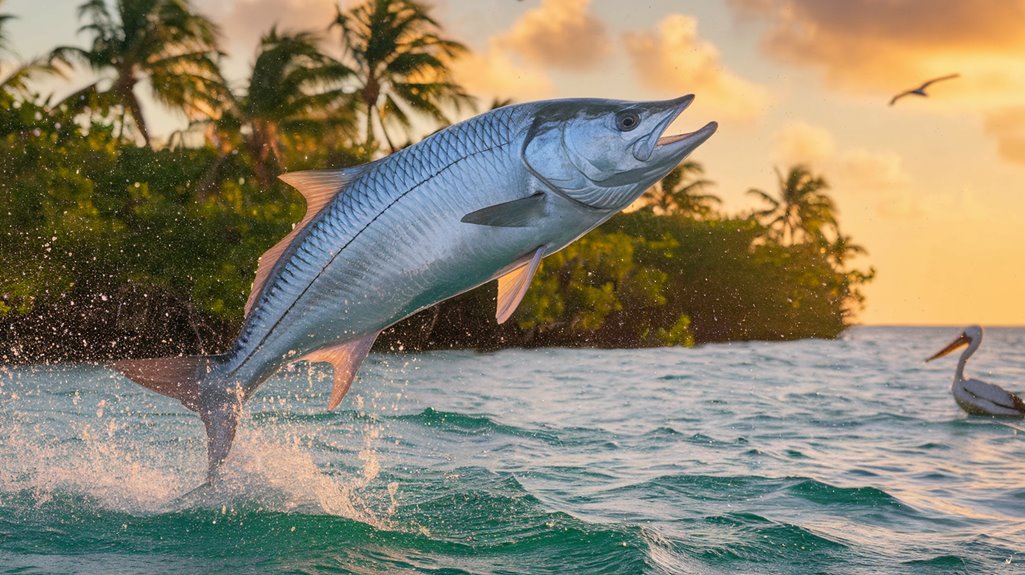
{"x": 702, "y": 133}
{"x": 676, "y": 143}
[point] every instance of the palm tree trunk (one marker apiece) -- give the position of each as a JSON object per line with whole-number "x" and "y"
{"x": 258, "y": 153}
{"x": 384, "y": 131}
{"x": 125, "y": 90}
{"x": 370, "y": 131}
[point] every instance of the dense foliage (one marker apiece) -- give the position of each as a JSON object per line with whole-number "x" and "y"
{"x": 115, "y": 244}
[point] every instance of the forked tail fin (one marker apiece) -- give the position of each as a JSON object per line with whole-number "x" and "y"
{"x": 180, "y": 378}
{"x": 176, "y": 377}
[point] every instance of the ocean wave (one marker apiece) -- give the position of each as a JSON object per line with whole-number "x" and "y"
{"x": 466, "y": 424}
{"x": 509, "y": 471}
{"x": 749, "y": 537}
{"x": 800, "y": 491}
{"x": 940, "y": 562}
{"x": 826, "y": 494}
{"x": 702, "y": 487}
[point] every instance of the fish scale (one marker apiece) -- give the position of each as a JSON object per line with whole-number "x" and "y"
{"x": 365, "y": 199}
{"x": 484, "y": 199}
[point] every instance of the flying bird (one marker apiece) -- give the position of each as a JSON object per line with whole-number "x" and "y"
{"x": 920, "y": 91}
{"x": 974, "y": 396}
{"x": 481, "y": 200}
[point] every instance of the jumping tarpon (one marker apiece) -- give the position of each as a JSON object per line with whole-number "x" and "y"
{"x": 480, "y": 200}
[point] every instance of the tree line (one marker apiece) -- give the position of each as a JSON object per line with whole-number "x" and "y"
{"x": 118, "y": 244}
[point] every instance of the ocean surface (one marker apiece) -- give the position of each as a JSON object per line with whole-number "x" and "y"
{"x": 845, "y": 456}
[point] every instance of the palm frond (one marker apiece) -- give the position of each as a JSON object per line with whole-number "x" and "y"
{"x": 163, "y": 41}
{"x": 401, "y": 62}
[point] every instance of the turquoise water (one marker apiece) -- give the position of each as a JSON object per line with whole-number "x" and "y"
{"x": 845, "y": 456}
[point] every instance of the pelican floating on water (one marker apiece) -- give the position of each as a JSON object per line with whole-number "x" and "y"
{"x": 974, "y": 396}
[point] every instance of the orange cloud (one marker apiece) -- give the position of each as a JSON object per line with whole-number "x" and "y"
{"x": 560, "y": 34}
{"x": 880, "y": 175}
{"x": 886, "y": 47}
{"x": 557, "y": 34}
{"x": 1007, "y": 125}
{"x": 245, "y": 21}
{"x": 872, "y": 170}
{"x": 854, "y": 171}
{"x": 495, "y": 73}
{"x": 675, "y": 60}
{"x": 802, "y": 143}
{"x": 882, "y": 48}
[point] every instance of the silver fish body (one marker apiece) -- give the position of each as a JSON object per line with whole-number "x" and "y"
{"x": 483, "y": 199}
{"x": 392, "y": 244}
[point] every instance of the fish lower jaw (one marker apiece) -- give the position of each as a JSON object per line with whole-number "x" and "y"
{"x": 703, "y": 133}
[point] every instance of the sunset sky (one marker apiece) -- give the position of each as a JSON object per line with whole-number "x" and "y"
{"x": 933, "y": 188}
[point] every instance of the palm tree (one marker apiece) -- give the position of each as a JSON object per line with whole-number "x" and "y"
{"x": 841, "y": 249}
{"x": 497, "y": 103}
{"x": 16, "y": 82}
{"x": 293, "y": 88}
{"x": 4, "y": 18}
{"x": 162, "y": 41}
{"x": 401, "y": 63}
{"x": 10, "y": 82}
{"x": 802, "y": 211}
{"x": 679, "y": 192}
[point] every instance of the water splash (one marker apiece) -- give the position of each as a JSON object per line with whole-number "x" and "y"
{"x": 145, "y": 460}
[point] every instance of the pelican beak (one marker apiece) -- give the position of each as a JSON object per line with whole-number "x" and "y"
{"x": 962, "y": 340}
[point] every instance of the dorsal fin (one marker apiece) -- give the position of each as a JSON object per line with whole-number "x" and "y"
{"x": 345, "y": 358}
{"x": 318, "y": 187}
{"x": 513, "y": 285}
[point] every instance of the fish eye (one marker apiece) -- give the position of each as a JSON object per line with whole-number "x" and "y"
{"x": 626, "y": 121}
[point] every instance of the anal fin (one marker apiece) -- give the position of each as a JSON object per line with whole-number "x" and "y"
{"x": 513, "y": 285}
{"x": 345, "y": 358}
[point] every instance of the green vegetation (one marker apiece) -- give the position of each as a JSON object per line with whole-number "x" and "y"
{"x": 117, "y": 244}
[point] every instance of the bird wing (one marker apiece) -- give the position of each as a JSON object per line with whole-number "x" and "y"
{"x": 940, "y": 79}
{"x": 921, "y": 89}
{"x": 899, "y": 96}
{"x": 994, "y": 394}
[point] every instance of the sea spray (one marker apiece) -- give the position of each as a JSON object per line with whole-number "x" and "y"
{"x": 144, "y": 459}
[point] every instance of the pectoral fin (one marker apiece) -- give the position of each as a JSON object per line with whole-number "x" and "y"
{"x": 515, "y": 214}
{"x": 513, "y": 285}
{"x": 345, "y": 359}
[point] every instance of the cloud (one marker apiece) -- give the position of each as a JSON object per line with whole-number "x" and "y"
{"x": 802, "y": 143}
{"x": 674, "y": 60}
{"x": 872, "y": 170}
{"x": 869, "y": 46}
{"x": 245, "y": 21}
{"x": 494, "y": 72}
{"x": 881, "y": 176}
{"x": 876, "y": 174}
{"x": 1007, "y": 125}
{"x": 880, "y": 48}
{"x": 560, "y": 34}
